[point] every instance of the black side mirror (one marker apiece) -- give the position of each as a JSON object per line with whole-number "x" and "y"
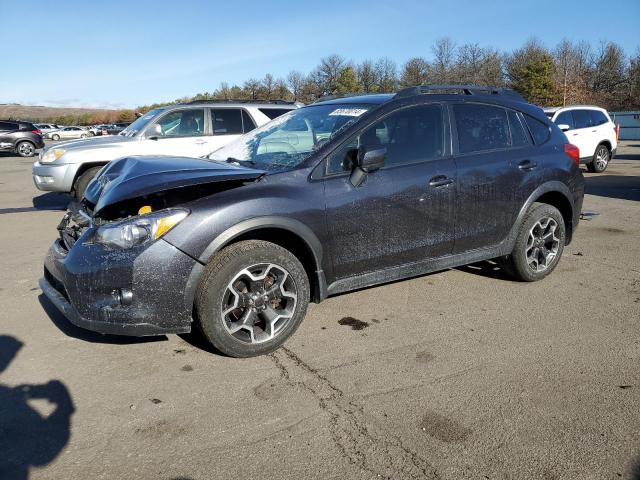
{"x": 369, "y": 160}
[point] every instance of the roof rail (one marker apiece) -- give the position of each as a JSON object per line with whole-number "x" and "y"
{"x": 326, "y": 98}
{"x": 465, "y": 89}
{"x": 274, "y": 102}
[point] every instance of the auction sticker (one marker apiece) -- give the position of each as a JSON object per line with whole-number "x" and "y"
{"x": 348, "y": 112}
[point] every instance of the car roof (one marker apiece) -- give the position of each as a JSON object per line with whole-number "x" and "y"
{"x": 573, "y": 107}
{"x": 226, "y": 104}
{"x": 374, "y": 99}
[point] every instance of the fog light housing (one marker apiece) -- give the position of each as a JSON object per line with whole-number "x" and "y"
{"x": 44, "y": 179}
{"x": 125, "y": 297}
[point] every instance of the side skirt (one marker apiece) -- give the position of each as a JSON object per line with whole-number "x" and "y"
{"x": 416, "y": 269}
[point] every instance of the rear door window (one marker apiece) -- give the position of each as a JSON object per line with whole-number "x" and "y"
{"x": 274, "y": 112}
{"x": 597, "y": 117}
{"x": 8, "y": 126}
{"x": 226, "y": 121}
{"x": 519, "y": 137}
{"x": 481, "y": 127}
{"x": 582, "y": 118}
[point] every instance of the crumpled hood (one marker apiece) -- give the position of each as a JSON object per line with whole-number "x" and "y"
{"x": 132, "y": 177}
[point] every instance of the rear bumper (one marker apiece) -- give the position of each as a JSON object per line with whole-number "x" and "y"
{"x": 137, "y": 292}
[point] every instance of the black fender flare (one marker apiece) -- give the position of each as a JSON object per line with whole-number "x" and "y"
{"x": 293, "y": 226}
{"x": 551, "y": 186}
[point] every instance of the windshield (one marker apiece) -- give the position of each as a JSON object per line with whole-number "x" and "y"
{"x": 140, "y": 123}
{"x": 291, "y": 138}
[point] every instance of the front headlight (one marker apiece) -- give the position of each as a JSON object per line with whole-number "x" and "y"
{"x": 139, "y": 230}
{"x": 52, "y": 155}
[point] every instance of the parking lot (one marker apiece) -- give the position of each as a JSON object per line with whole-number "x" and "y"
{"x": 458, "y": 374}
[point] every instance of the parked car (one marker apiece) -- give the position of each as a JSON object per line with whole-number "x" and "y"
{"x": 116, "y": 128}
{"x": 22, "y": 138}
{"x": 189, "y": 130}
{"x": 68, "y": 133}
{"x": 332, "y": 197}
{"x": 98, "y": 130}
{"x": 46, "y": 127}
{"x": 591, "y": 130}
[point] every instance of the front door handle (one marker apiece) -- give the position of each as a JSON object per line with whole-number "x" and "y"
{"x": 440, "y": 181}
{"x": 527, "y": 165}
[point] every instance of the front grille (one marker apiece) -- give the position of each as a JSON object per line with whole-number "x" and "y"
{"x": 55, "y": 283}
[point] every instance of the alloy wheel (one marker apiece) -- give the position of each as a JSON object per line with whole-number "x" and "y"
{"x": 602, "y": 158}
{"x": 25, "y": 149}
{"x": 259, "y": 302}
{"x": 542, "y": 244}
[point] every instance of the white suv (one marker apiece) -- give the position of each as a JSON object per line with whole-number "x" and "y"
{"x": 188, "y": 130}
{"x": 591, "y": 130}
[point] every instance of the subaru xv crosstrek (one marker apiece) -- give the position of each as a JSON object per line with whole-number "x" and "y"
{"x": 339, "y": 195}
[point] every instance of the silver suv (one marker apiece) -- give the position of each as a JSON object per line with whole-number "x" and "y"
{"x": 188, "y": 130}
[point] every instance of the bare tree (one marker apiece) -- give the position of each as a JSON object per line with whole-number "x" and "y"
{"x": 443, "y": 61}
{"x": 387, "y": 74}
{"x": 469, "y": 62}
{"x": 295, "y": 81}
{"x": 252, "y": 88}
{"x": 329, "y": 71}
{"x": 267, "y": 86}
{"x": 367, "y": 77}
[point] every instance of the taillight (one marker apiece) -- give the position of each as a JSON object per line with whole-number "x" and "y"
{"x": 572, "y": 152}
{"x": 37, "y": 132}
{"x": 616, "y": 129}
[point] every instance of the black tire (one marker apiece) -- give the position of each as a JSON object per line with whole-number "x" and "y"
{"x": 601, "y": 159}
{"x": 55, "y": 137}
{"x": 212, "y": 298}
{"x": 84, "y": 135}
{"x": 517, "y": 264}
{"x": 25, "y": 149}
{"x": 82, "y": 182}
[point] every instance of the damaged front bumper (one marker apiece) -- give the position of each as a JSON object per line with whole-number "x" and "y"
{"x": 140, "y": 291}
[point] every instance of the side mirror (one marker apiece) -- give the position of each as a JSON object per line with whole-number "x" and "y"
{"x": 369, "y": 160}
{"x": 154, "y": 132}
{"x": 564, "y": 127}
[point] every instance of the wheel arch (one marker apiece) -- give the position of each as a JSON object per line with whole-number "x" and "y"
{"x": 83, "y": 168}
{"x": 556, "y": 194}
{"x": 288, "y": 233}
{"x": 606, "y": 143}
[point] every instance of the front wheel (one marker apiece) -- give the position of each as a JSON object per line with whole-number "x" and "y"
{"x": 82, "y": 182}
{"x": 252, "y": 298}
{"x": 84, "y": 135}
{"x": 538, "y": 246}
{"x": 600, "y": 160}
{"x": 25, "y": 149}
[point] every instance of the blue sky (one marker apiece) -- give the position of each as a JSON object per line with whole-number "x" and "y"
{"x": 124, "y": 53}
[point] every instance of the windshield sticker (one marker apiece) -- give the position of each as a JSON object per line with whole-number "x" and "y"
{"x": 348, "y": 112}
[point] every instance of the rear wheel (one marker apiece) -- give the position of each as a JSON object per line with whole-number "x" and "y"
{"x": 252, "y": 298}
{"x": 84, "y": 135}
{"x": 538, "y": 246}
{"x": 600, "y": 160}
{"x": 25, "y": 149}
{"x": 82, "y": 182}
{"x": 55, "y": 137}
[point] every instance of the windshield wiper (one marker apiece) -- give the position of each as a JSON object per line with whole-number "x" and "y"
{"x": 240, "y": 162}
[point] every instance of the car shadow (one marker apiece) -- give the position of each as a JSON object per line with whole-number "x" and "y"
{"x": 625, "y": 187}
{"x": 69, "y": 329}
{"x": 487, "y": 268}
{"x": 52, "y": 201}
{"x": 30, "y": 438}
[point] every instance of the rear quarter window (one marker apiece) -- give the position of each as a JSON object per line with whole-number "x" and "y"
{"x": 597, "y": 117}
{"x": 539, "y": 130}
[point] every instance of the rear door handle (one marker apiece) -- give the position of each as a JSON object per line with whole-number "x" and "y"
{"x": 440, "y": 181}
{"x": 527, "y": 165}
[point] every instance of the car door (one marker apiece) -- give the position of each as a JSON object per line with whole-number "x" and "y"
{"x": 489, "y": 172}
{"x": 403, "y": 212}
{"x": 582, "y": 136}
{"x": 227, "y": 124}
{"x": 178, "y": 132}
{"x": 5, "y": 138}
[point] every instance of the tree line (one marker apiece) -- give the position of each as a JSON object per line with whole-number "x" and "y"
{"x": 569, "y": 73}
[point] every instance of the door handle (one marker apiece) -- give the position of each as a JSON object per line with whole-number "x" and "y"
{"x": 527, "y": 165}
{"x": 200, "y": 142}
{"x": 440, "y": 181}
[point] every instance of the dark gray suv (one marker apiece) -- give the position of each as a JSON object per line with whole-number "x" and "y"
{"x": 22, "y": 138}
{"x": 339, "y": 195}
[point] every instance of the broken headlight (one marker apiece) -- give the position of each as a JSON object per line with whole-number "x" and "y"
{"x": 140, "y": 229}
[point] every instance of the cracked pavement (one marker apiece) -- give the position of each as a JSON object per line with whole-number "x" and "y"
{"x": 459, "y": 374}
